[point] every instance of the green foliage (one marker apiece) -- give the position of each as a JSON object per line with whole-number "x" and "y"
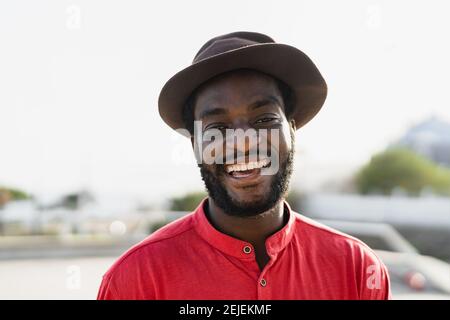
{"x": 15, "y": 194}
{"x": 71, "y": 201}
{"x": 402, "y": 168}
{"x": 76, "y": 200}
{"x": 9, "y": 194}
{"x": 187, "y": 202}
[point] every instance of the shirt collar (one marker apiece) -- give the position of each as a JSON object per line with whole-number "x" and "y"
{"x": 235, "y": 247}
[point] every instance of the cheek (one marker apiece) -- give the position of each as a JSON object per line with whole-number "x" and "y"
{"x": 213, "y": 171}
{"x": 285, "y": 135}
{"x": 212, "y": 152}
{"x": 281, "y": 139}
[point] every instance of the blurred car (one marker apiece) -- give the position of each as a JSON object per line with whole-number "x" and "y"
{"x": 413, "y": 276}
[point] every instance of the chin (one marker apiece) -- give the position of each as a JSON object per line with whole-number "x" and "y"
{"x": 250, "y": 201}
{"x": 249, "y": 195}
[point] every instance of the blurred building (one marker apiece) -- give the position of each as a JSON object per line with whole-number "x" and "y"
{"x": 76, "y": 213}
{"x": 430, "y": 138}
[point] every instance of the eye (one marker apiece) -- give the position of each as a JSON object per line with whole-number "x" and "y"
{"x": 218, "y": 126}
{"x": 267, "y": 119}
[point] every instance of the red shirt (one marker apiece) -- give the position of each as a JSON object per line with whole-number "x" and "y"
{"x": 190, "y": 259}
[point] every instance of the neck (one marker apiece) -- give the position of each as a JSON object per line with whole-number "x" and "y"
{"x": 253, "y": 229}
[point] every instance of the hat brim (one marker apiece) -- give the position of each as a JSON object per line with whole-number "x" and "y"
{"x": 284, "y": 62}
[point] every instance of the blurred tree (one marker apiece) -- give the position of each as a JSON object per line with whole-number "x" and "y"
{"x": 401, "y": 168}
{"x": 10, "y": 194}
{"x": 76, "y": 200}
{"x": 188, "y": 202}
{"x": 5, "y": 197}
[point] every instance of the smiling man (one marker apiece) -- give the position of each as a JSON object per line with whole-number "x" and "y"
{"x": 240, "y": 102}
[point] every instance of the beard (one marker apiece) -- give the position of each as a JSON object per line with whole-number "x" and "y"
{"x": 279, "y": 186}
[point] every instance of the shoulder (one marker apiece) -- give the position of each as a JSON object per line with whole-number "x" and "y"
{"x": 353, "y": 255}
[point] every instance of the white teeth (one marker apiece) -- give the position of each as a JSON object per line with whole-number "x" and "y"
{"x": 247, "y": 166}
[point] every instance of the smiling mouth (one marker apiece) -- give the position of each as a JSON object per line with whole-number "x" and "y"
{"x": 246, "y": 170}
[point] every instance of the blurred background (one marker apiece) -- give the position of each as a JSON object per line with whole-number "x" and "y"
{"x": 87, "y": 167}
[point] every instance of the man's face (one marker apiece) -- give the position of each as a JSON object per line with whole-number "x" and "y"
{"x": 246, "y": 100}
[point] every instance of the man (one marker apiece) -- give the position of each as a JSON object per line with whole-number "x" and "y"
{"x": 243, "y": 241}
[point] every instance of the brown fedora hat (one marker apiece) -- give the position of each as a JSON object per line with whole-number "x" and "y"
{"x": 246, "y": 50}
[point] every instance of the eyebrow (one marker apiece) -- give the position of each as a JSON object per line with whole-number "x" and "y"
{"x": 254, "y": 105}
{"x": 212, "y": 112}
{"x": 264, "y": 101}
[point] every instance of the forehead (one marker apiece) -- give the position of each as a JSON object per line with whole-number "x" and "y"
{"x": 236, "y": 87}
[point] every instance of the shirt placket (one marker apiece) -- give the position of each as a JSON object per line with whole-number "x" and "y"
{"x": 263, "y": 284}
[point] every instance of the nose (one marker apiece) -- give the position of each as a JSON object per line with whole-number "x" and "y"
{"x": 243, "y": 144}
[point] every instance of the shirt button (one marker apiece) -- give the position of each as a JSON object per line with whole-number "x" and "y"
{"x": 263, "y": 282}
{"x": 247, "y": 249}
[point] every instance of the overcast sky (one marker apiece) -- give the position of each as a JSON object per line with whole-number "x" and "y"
{"x": 79, "y": 82}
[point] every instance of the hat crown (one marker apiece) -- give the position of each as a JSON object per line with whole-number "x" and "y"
{"x": 246, "y": 50}
{"x": 230, "y": 41}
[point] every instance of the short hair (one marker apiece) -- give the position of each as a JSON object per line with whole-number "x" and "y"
{"x": 286, "y": 93}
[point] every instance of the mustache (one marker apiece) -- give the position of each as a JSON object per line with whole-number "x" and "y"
{"x": 217, "y": 169}
{"x": 231, "y": 156}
